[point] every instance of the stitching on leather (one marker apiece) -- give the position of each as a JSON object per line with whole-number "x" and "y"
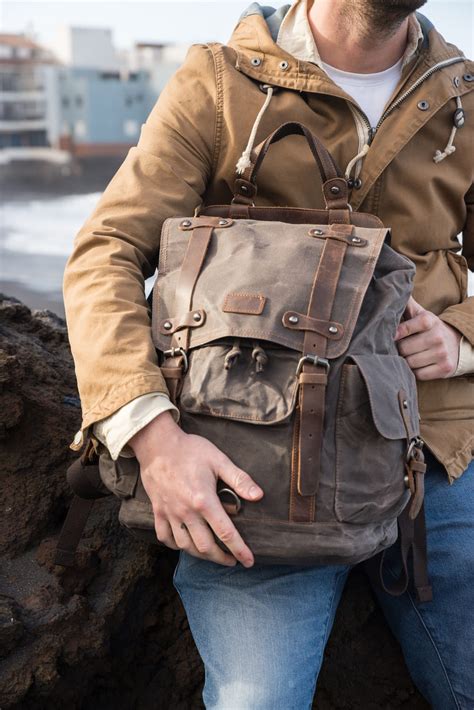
{"x": 256, "y": 311}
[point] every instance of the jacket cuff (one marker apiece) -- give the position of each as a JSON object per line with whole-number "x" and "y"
{"x": 466, "y": 358}
{"x": 461, "y": 317}
{"x": 117, "y": 429}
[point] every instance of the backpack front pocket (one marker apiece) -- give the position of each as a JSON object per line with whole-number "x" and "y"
{"x": 371, "y": 438}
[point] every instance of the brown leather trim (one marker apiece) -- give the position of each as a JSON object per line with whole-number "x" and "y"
{"x": 192, "y": 319}
{"x": 189, "y": 223}
{"x": 246, "y": 303}
{"x": 313, "y": 324}
{"x": 325, "y": 234}
{"x": 292, "y": 215}
{"x": 312, "y": 392}
{"x": 192, "y": 263}
{"x": 301, "y": 508}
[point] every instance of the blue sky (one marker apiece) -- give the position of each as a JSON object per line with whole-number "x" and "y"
{"x": 187, "y": 21}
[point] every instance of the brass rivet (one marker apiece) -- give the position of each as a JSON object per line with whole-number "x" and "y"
{"x": 293, "y": 319}
{"x": 186, "y": 223}
{"x": 167, "y": 325}
{"x": 333, "y": 329}
{"x": 335, "y": 190}
{"x": 197, "y": 316}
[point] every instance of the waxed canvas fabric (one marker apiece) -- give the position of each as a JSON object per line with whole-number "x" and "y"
{"x": 252, "y": 415}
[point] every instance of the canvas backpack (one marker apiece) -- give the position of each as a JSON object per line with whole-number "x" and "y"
{"x": 275, "y": 331}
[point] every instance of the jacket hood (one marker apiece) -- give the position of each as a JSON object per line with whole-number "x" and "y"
{"x": 255, "y": 34}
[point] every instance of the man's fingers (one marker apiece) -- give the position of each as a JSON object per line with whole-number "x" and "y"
{"x": 196, "y": 538}
{"x": 239, "y": 480}
{"x": 419, "y": 324}
{"x": 164, "y": 533}
{"x": 226, "y": 531}
{"x": 423, "y": 359}
{"x": 412, "y": 309}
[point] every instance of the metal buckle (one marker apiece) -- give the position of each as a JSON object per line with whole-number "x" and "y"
{"x": 417, "y": 443}
{"x": 314, "y": 360}
{"x": 173, "y": 352}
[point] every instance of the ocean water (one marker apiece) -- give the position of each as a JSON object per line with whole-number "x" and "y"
{"x": 36, "y": 238}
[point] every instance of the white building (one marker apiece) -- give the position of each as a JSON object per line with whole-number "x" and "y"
{"x": 29, "y": 118}
{"x": 86, "y": 47}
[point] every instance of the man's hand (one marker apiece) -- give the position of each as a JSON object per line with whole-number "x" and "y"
{"x": 430, "y": 346}
{"x": 179, "y": 472}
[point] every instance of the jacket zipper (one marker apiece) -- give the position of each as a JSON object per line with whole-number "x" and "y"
{"x": 371, "y": 130}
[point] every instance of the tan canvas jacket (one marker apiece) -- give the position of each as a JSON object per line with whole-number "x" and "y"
{"x": 187, "y": 154}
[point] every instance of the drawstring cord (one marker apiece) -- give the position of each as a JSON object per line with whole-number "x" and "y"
{"x": 233, "y": 355}
{"x": 355, "y": 159}
{"x": 259, "y": 356}
{"x": 244, "y": 161}
{"x": 458, "y": 122}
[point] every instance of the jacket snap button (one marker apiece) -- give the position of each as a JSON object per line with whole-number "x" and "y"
{"x": 197, "y": 317}
{"x": 468, "y": 77}
{"x": 167, "y": 325}
{"x": 423, "y": 105}
{"x": 186, "y": 223}
{"x": 284, "y": 64}
{"x": 332, "y": 329}
{"x": 357, "y": 184}
{"x": 293, "y": 319}
{"x": 222, "y": 222}
{"x": 356, "y": 240}
{"x": 317, "y": 232}
{"x": 244, "y": 189}
{"x": 255, "y": 61}
{"x": 335, "y": 190}
{"x": 405, "y": 404}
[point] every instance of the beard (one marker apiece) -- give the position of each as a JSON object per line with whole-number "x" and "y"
{"x": 381, "y": 16}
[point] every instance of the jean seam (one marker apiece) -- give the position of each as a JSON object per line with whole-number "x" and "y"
{"x": 433, "y": 642}
{"x": 337, "y": 578}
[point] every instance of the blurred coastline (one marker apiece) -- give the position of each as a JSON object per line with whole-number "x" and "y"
{"x": 39, "y": 218}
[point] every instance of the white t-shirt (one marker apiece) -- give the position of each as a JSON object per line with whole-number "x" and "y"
{"x": 371, "y": 91}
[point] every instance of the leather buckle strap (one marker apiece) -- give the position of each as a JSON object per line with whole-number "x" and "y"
{"x": 314, "y": 360}
{"x": 174, "y": 352}
{"x": 312, "y": 391}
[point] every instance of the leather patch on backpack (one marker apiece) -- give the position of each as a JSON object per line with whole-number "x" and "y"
{"x": 249, "y": 303}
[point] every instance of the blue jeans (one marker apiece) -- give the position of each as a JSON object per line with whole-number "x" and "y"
{"x": 247, "y": 623}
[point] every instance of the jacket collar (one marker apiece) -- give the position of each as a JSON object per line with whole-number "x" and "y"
{"x": 296, "y": 38}
{"x": 259, "y": 56}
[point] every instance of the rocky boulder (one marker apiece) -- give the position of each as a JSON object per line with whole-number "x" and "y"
{"x": 111, "y": 632}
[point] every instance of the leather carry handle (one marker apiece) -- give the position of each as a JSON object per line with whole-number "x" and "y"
{"x": 245, "y": 186}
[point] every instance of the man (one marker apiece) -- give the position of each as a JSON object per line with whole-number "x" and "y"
{"x": 393, "y": 102}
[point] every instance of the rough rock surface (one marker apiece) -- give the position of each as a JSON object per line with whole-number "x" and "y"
{"x": 112, "y": 632}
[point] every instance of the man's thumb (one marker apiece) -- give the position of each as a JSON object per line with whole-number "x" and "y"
{"x": 239, "y": 480}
